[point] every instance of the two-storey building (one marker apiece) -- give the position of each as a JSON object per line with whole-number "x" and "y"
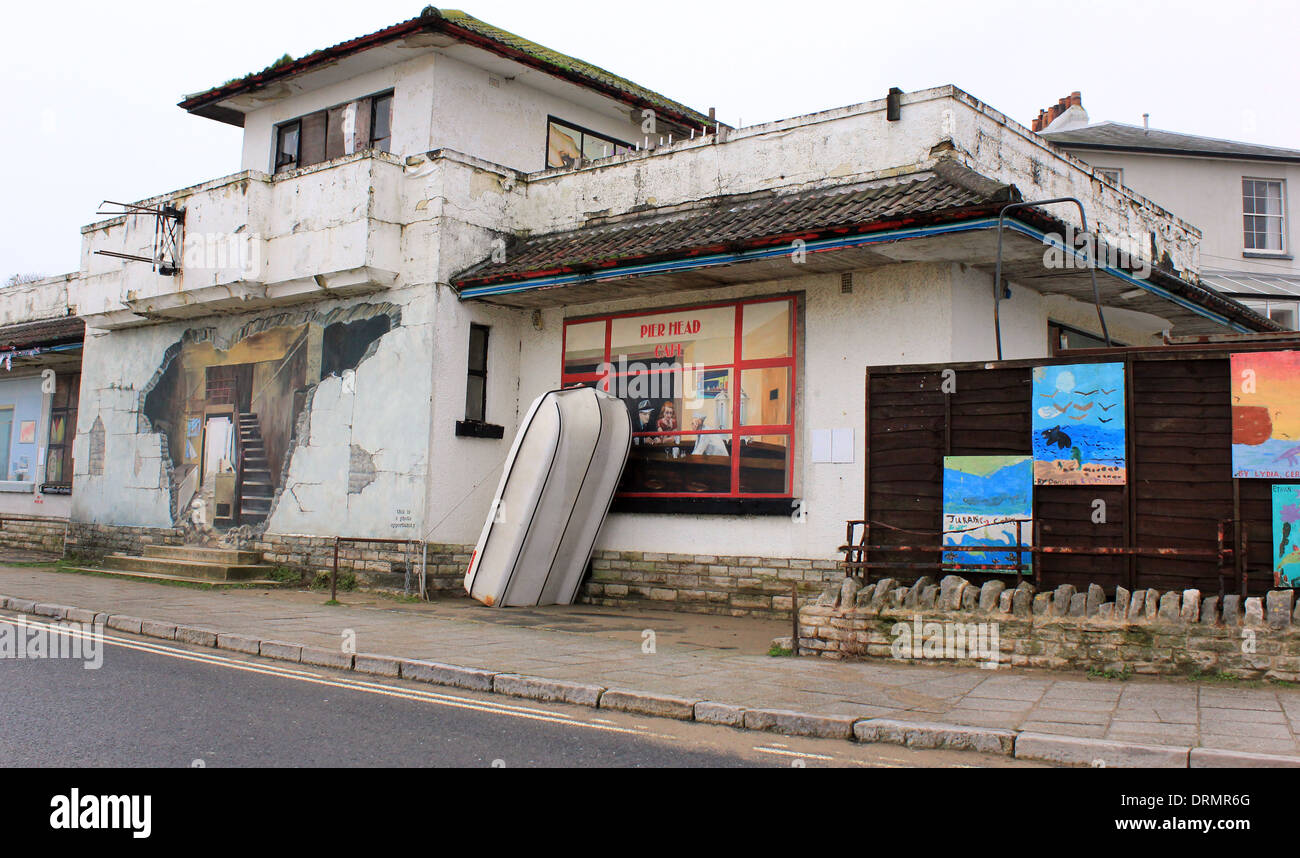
{"x": 435, "y": 223}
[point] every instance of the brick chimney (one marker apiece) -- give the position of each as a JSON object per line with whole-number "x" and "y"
{"x": 1049, "y": 115}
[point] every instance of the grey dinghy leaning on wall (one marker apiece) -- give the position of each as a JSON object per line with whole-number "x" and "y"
{"x": 557, "y": 487}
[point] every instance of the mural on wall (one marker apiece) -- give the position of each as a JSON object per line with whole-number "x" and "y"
{"x": 1286, "y": 536}
{"x": 1266, "y": 415}
{"x": 985, "y": 499}
{"x": 1078, "y": 425}
{"x": 229, "y": 411}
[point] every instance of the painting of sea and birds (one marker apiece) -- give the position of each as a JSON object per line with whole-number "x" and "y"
{"x": 983, "y": 499}
{"x": 1079, "y": 434}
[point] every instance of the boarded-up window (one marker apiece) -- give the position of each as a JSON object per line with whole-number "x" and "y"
{"x": 312, "y": 149}
{"x": 335, "y": 132}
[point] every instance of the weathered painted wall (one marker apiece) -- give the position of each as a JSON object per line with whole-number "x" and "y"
{"x": 359, "y": 459}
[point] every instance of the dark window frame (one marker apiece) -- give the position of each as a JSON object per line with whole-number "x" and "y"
{"x": 282, "y": 128}
{"x": 68, "y": 410}
{"x": 586, "y": 132}
{"x": 482, "y": 374}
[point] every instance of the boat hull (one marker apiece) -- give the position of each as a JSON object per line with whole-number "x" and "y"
{"x": 555, "y": 492}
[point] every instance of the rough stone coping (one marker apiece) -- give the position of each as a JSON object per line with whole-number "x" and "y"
{"x": 1044, "y": 747}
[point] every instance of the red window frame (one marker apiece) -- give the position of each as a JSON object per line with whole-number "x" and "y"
{"x": 737, "y": 365}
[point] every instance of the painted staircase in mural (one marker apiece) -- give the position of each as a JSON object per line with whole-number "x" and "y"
{"x": 191, "y": 563}
{"x": 256, "y": 487}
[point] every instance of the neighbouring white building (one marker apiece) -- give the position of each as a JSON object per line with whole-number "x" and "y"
{"x": 1237, "y": 194}
{"x": 435, "y": 223}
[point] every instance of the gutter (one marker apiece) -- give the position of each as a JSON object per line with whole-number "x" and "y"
{"x": 1160, "y": 150}
{"x": 1167, "y": 286}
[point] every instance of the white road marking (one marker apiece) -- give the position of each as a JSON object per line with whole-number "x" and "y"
{"x": 765, "y": 749}
{"x": 436, "y": 698}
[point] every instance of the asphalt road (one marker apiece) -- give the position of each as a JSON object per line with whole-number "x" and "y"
{"x": 168, "y": 705}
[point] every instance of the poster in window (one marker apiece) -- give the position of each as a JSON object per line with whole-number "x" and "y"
{"x": 988, "y": 501}
{"x": 27, "y": 432}
{"x": 1078, "y": 425}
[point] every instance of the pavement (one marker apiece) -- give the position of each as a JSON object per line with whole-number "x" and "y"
{"x": 715, "y": 669}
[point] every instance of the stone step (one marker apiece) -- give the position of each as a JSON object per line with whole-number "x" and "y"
{"x": 154, "y": 576}
{"x": 202, "y": 554}
{"x": 252, "y": 503}
{"x": 257, "y": 490}
{"x": 193, "y": 569}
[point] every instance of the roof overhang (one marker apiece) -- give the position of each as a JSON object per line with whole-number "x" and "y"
{"x": 428, "y": 32}
{"x": 971, "y": 240}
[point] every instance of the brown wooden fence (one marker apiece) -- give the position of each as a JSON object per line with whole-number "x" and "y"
{"x": 1180, "y": 487}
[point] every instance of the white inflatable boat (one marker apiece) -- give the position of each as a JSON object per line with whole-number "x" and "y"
{"x": 558, "y": 483}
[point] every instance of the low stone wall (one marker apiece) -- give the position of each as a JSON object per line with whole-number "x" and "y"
{"x": 33, "y": 533}
{"x": 704, "y": 583}
{"x": 376, "y": 566}
{"x": 1144, "y": 632}
{"x": 696, "y": 583}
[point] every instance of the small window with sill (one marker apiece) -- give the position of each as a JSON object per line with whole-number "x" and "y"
{"x": 475, "y": 424}
{"x": 337, "y": 131}
{"x": 1115, "y": 175}
{"x": 1263, "y": 203}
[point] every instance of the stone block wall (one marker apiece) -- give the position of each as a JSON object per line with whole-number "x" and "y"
{"x": 704, "y": 583}
{"x": 376, "y": 566}
{"x": 33, "y": 534}
{"x": 696, "y": 583}
{"x": 1145, "y": 632}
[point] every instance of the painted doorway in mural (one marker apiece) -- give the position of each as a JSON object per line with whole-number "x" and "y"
{"x": 6, "y": 436}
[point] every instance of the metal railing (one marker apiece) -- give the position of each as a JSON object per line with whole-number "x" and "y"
{"x": 423, "y": 551}
{"x": 858, "y": 550}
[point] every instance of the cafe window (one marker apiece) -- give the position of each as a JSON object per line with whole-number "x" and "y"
{"x": 63, "y": 427}
{"x": 567, "y": 144}
{"x": 710, "y": 390}
{"x": 340, "y": 130}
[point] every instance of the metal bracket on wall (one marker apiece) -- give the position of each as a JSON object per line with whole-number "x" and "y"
{"x": 168, "y": 221}
{"x": 997, "y": 275}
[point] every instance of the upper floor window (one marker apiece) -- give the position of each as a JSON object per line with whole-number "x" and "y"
{"x": 1263, "y": 202}
{"x": 366, "y": 123}
{"x": 568, "y": 144}
{"x": 1114, "y": 174}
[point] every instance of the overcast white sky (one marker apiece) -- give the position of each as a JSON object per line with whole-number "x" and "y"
{"x": 90, "y": 88}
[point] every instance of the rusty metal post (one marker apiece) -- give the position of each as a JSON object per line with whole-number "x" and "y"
{"x": 794, "y": 618}
{"x": 1245, "y": 565}
{"x": 334, "y": 573}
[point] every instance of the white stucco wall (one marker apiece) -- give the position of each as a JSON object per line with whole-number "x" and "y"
{"x": 443, "y": 102}
{"x": 1207, "y": 192}
{"x": 907, "y": 313}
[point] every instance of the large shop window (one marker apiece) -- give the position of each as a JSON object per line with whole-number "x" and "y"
{"x": 710, "y": 390}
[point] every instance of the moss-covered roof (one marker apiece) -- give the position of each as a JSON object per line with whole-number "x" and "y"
{"x": 470, "y": 30}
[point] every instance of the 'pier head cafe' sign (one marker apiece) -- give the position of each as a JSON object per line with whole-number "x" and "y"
{"x": 710, "y": 390}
